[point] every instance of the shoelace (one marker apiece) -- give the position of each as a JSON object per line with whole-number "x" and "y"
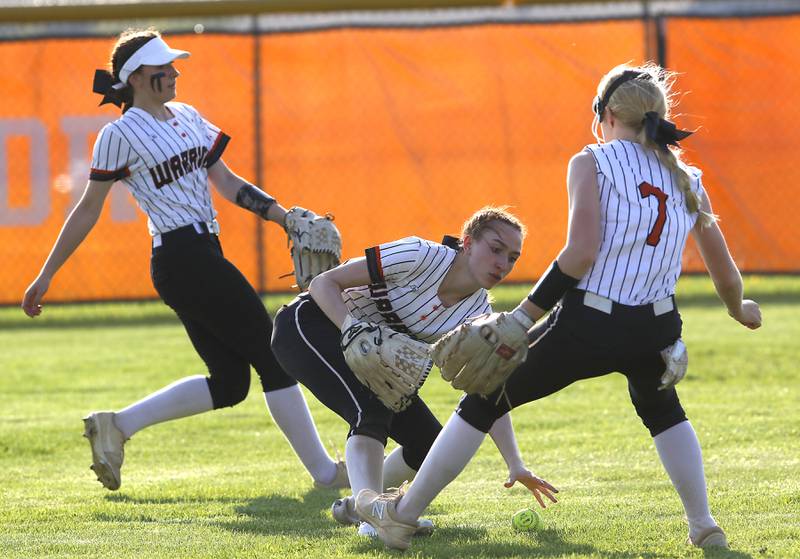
{"x": 393, "y": 493}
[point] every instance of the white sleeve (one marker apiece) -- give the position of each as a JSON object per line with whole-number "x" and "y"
{"x": 697, "y": 179}
{"x": 112, "y": 156}
{"x": 214, "y": 138}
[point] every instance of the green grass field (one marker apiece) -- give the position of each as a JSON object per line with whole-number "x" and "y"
{"x": 226, "y": 484}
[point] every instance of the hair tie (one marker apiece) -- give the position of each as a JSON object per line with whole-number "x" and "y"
{"x": 104, "y": 85}
{"x": 662, "y": 132}
{"x": 452, "y": 242}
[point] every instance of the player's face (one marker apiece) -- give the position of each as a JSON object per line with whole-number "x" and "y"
{"x": 157, "y": 82}
{"x": 492, "y": 256}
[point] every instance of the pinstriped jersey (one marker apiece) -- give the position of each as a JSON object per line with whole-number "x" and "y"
{"x": 644, "y": 224}
{"x": 164, "y": 164}
{"x": 405, "y": 277}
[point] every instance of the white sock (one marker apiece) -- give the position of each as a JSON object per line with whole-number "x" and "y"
{"x": 680, "y": 453}
{"x": 184, "y": 397}
{"x": 451, "y": 452}
{"x": 395, "y": 469}
{"x": 364, "y": 457}
{"x": 290, "y": 412}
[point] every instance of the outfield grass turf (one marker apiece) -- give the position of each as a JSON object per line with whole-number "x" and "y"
{"x": 226, "y": 484}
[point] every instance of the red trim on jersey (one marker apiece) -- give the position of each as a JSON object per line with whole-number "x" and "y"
{"x": 374, "y": 265}
{"x": 216, "y": 149}
{"x": 105, "y": 175}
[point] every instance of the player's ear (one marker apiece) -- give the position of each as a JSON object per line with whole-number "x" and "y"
{"x": 135, "y": 79}
{"x": 466, "y": 243}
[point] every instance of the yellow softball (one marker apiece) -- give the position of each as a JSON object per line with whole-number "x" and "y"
{"x": 526, "y": 519}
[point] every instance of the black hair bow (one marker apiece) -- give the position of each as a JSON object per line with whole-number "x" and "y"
{"x": 452, "y": 242}
{"x": 103, "y": 84}
{"x": 663, "y": 132}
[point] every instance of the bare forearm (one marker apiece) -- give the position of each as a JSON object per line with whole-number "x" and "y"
{"x": 328, "y": 295}
{"x": 74, "y": 231}
{"x": 730, "y": 289}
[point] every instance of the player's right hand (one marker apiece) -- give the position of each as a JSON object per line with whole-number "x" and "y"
{"x": 31, "y": 303}
{"x": 535, "y": 485}
{"x": 748, "y": 315}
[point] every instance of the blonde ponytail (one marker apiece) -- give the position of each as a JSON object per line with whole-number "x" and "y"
{"x": 670, "y": 160}
{"x": 636, "y": 99}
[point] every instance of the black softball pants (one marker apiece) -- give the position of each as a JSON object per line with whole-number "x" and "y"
{"x": 579, "y": 342}
{"x": 307, "y": 345}
{"x": 223, "y": 315}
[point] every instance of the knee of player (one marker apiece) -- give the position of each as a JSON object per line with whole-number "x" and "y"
{"x": 479, "y": 412}
{"x": 658, "y": 419}
{"x": 377, "y": 431}
{"x": 414, "y": 455}
{"x": 274, "y": 379}
{"x": 230, "y": 390}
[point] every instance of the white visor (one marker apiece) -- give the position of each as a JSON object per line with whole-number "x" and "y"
{"x": 154, "y": 52}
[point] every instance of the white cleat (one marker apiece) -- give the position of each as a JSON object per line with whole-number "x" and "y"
{"x": 424, "y": 528}
{"x": 365, "y": 530}
{"x": 107, "y": 444}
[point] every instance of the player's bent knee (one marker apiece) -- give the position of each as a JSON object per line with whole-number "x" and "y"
{"x": 414, "y": 457}
{"x": 228, "y": 392}
{"x": 659, "y": 420}
{"x": 478, "y": 412}
{"x": 276, "y": 380}
{"x": 374, "y": 431}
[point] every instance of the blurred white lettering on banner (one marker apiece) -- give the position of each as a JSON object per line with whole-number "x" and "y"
{"x": 38, "y": 207}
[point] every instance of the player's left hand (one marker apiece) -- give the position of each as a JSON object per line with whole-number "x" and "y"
{"x": 676, "y": 362}
{"x": 316, "y": 245}
{"x": 535, "y": 485}
{"x": 31, "y": 302}
{"x": 749, "y": 314}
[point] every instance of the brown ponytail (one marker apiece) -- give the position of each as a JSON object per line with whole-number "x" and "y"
{"x": 129, "y": 42}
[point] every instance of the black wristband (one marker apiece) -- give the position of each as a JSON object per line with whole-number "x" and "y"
{"x": 252, "y": 198}
{"x": 551, "y": 287}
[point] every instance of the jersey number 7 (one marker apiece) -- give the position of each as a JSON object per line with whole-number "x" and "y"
{"x": 647, "y": 189}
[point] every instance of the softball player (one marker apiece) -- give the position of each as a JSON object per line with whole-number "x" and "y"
{"x": 414, "y": 286}
{"x": 632, "y": 204}
{"x": 165, "y": 152}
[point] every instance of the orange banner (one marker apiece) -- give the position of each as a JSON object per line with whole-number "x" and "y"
{"x": 397, "y": 132}
{"x": 742, "y": 97}
{"x": 401, "y": 132}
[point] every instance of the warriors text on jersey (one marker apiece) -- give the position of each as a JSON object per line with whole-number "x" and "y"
{"x": 405, "y": 278}
{"x": 163, "y": 163}
{"x": 644, "y": 224}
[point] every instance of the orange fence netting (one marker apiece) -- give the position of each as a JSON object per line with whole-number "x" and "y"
{"x": 397, "y": 132}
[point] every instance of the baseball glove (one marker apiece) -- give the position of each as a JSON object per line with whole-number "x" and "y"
{"x": 676, "y": 359}
{"x": 315, "y": 244}
{"x": 392, "y": 365}
{"x": 478, "y": 356}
